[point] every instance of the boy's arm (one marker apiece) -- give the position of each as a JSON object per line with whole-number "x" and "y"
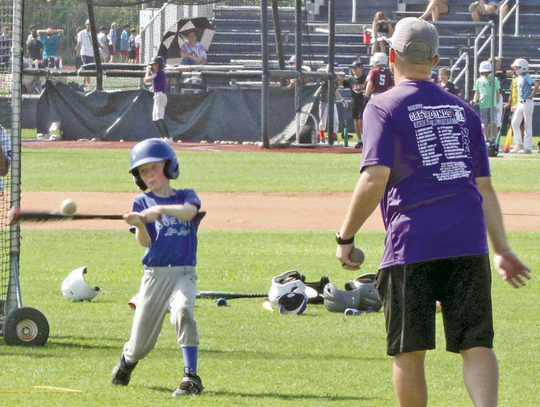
{"x": 368, "y": 88}
{"x": 141, "y": 234}
{"x": 534, "y": 90}
{"x": 186, "y": 212}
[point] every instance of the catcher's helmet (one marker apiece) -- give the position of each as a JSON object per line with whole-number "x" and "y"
{"x": 151, "y": 151}
{"x": 520, "y": 65}
{"x": 159, "y": 61}
{"x": 74, "y": 288}
{"x": 379, "y": 58}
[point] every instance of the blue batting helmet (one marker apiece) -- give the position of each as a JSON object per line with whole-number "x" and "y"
{"x": 151, "y": 151}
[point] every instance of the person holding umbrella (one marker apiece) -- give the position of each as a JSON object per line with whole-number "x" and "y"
{"x": 192, "y": 51}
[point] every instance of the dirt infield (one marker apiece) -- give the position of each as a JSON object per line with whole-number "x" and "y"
{"x": 257, "y": 211}
{"x": 252, "y": 148}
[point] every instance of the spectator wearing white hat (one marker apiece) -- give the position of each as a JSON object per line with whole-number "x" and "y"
{"x": 526, "y": 90}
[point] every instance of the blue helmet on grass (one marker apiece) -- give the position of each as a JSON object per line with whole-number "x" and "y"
{"x": 151, "y": 151}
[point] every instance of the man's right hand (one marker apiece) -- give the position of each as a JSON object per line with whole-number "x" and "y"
{"x": 511, "y": 269}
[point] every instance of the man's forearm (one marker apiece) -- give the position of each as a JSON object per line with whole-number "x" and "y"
{"x": 366, "y": 197}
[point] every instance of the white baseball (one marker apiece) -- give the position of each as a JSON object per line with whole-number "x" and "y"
{"x": 68, "y": 207}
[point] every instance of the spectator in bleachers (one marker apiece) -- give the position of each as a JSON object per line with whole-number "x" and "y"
{"x": 435, "y": 8}
{"x": 487, "y": 7}
{"x": 379, "y": 78}
{"x": 192, "y": 51}
{"x": 445, "y": 82}
{"x": 380, "y": 32}
{"x": 484, "y": 97}
{"x": 526, "y": 90}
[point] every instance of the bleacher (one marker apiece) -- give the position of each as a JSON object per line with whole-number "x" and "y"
{"x": 237, "y": 36}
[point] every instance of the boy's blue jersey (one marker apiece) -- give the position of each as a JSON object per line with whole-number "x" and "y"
{"x": 174, "y": 241}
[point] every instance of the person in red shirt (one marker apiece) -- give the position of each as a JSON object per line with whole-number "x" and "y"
{"x": 380, "y": 77}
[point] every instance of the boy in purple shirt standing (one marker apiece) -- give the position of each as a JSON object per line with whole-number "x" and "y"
{"x": 425, "y": 161}
{"x": 156, "y": 75}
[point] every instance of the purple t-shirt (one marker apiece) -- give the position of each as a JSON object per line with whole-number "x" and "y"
{"x": 174, "y": 241}
{"x": 160, "y": 81}
{"x": 433, "y": 143}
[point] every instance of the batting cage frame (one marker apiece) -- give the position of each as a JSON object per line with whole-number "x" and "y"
{"x": 23, "y": 326}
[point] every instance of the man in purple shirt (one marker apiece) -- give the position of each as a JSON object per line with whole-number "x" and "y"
{"x": 156, "y": 75}
{"x": 426, "y": 162}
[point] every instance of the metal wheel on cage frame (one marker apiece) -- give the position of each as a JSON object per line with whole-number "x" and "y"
{"x": 25, "y": 326}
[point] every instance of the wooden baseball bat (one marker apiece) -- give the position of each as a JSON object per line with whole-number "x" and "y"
{"x": 16, "y": 215}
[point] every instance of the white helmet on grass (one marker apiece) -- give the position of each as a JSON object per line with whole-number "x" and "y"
{"x": 74, "y": 287}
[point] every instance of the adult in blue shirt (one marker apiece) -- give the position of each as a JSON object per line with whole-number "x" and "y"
{"x": 50, "y": 39}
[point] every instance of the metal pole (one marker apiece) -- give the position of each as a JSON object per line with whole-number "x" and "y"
{"x": 494, "y": 99}
{"x": 95, "y": 45}
{"x": 265, "y": 89}
{"x": 14, "y": 297}
{"x": 353, "y": 19}
{"x": 331, "y": 48}
{"x": 516, "y": 32}
{"x": 277, "y": 36}
{"x": 298, "y": 64}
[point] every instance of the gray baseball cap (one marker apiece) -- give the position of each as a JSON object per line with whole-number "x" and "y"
{"x": 412, "y": 30}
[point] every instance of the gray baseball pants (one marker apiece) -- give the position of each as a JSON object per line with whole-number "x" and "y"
{"x": 163, "y": 288}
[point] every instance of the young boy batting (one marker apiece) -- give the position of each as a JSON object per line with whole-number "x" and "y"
{"x": 165, "y": 222}
{"x": 156, "y": 75}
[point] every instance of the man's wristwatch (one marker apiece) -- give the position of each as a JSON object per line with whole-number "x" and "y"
{"x": 341, "y": 241}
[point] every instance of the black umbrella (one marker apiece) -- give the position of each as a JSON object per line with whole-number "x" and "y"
{"x": 177, "y": 35}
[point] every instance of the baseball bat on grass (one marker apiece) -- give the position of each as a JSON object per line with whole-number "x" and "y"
{"x": 228, "y": 295}
{"x": 16, "y": 215}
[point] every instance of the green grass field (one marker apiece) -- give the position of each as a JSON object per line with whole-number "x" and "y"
{"x": 248, "y": 356}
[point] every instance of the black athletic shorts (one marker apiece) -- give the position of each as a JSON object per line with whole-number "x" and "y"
{"x": 357, "y": 110}
{"x": 409, "y": 293}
